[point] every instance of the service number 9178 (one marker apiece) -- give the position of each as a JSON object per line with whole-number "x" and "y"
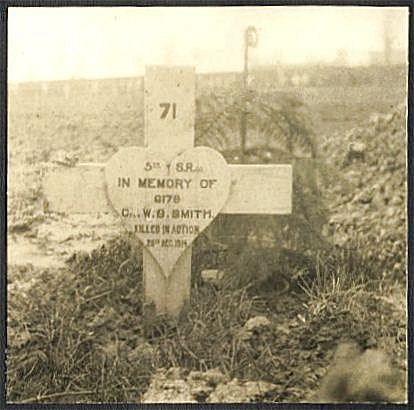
{"x": 166, "y": 199}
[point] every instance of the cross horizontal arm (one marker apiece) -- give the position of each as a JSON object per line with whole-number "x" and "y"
{"x": 80, "y": 189}
{"x": 255, "y": 189}
{"x": 260, "y": 189}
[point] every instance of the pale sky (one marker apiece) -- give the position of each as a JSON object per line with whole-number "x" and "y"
{"x": 102, "y": 42}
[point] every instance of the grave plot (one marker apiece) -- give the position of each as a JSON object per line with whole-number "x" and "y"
{"x": 79, "y": 333}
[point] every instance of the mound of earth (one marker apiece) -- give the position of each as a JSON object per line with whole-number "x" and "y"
{"x": 373, "y": 207}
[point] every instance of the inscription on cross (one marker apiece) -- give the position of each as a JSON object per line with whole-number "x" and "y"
{"x": 169, "y": 191}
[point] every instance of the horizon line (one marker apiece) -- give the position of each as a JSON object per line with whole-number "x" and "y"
{"x": 259, "y": 66}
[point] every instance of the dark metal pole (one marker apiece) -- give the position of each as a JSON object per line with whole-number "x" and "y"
{"x": 243, "y": 118}
{"x": 250, "y": 40}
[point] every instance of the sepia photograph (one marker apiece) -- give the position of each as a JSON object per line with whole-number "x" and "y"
{"x": 207, "y": 204}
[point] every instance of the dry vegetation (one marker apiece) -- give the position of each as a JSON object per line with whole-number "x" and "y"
{"x": 76, "y": 332}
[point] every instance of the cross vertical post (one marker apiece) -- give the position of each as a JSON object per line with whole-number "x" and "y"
{"x": 169, "y": 99}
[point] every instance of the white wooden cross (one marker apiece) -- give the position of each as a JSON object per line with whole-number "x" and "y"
{"x": 169, "y": 131}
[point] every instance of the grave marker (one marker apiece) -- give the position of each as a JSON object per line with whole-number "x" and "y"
{"x": 167, "y": 205}
{"x": 168, "y": 191}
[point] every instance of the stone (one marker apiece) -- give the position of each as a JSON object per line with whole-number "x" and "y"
{"x": 212, "y": 276}
{"x": 211, "y": 386}
{"x": 257, "y": 322}
{"x": 237, "y": 391}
